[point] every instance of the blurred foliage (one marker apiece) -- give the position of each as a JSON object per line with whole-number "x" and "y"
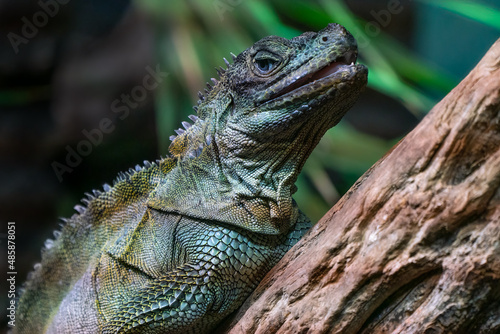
{"x": 473, "y": 10}
{"x": 194, "y": 36}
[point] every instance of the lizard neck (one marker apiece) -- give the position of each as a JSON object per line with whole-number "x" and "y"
{"x": 228, "y": 187}
{"x": 223, "y": 173}
{"x": 205, "y": 188}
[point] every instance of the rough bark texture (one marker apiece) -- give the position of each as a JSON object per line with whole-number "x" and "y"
{"x": 414, "y": 247}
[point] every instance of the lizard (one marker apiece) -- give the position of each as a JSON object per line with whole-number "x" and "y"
{"x": 176, "y": 245}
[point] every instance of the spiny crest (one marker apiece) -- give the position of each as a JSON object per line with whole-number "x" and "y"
{"x": 123, "y": 176}
{"x": 190, "y": 141}
{"x": 48, "y": 245}
{"x": 107, "y": 189}
{"x": 220, "y": 71}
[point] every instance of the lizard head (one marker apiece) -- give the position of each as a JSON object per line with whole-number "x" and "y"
{"x": 261, "y": 120}
{"x": 283, "y": 92}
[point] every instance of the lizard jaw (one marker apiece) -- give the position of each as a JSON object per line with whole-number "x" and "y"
{"x": 315, "y": 88}
{"x": 347, "y": 60}
{"x": 306, "y": 85}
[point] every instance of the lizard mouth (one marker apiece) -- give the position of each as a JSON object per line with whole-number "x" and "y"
{"x": 306, "y": 84}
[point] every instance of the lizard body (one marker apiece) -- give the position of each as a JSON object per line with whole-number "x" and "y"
{"x": 177, "y": 245}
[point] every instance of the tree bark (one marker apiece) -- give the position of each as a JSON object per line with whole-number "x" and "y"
{"x": 414, "y": 246}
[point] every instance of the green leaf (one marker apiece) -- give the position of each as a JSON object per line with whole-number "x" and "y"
{"x": 478, "y": 12}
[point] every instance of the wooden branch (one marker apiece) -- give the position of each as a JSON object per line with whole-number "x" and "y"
{"x": 414, "y": 247}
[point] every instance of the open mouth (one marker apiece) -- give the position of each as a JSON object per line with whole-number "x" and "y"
{"x": 329, "y": 69}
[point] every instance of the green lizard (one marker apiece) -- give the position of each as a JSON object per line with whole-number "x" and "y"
{"x": 177, "y": 245}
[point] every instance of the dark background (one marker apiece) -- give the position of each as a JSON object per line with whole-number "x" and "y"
{"x": 60, "y": 80}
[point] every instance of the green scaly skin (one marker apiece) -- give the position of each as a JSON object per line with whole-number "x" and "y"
{"x": 177, "y": 245}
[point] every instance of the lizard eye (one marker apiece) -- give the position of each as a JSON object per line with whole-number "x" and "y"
{"x": 265, "y": 65}
{"x": 266, "y": 62}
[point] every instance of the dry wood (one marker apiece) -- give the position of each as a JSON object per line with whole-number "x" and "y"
{"x": 414, "y": 247}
